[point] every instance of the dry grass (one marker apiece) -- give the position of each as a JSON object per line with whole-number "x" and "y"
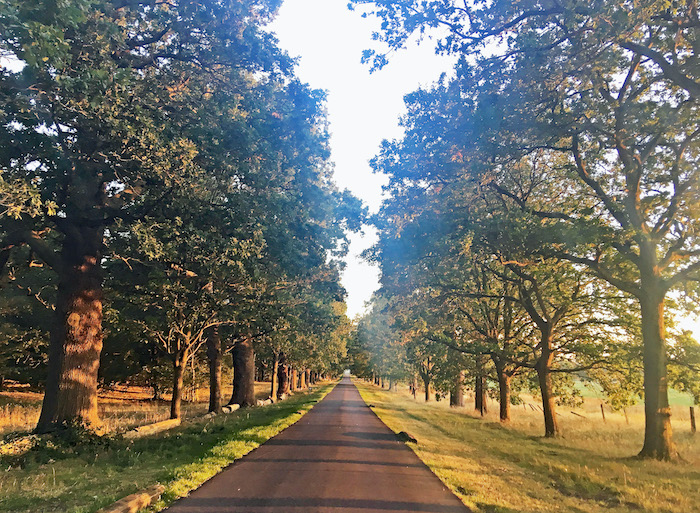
{"x": 121, "y": 407}
{"x": 513, "y": 469}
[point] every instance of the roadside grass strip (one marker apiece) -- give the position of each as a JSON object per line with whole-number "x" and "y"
{"x": 513, "y": 469}
{"x": 87, "y": 476}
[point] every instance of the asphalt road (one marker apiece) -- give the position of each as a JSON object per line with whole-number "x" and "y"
{"x": 338, "y": 458}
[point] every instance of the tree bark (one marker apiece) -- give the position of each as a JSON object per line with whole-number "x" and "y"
{"x": 457, "y": 391}
{"x": 76, "y": 336}
{"x": 293, "y": 380}
{"x": 426, "y": 384}
{"x": 179, "y": 364}
{"x": 480, "y": 395}
{"x": 658, "y": 436}
{"x": 302, "y": 380}
{"x": 544, "y": 378}
{"x": 214, "y": 356}
{"x": 283, "y": 378}
{"x": 273, "y": 376}
{"x": 243, "y": 374}
{"x": 503, "y": 392}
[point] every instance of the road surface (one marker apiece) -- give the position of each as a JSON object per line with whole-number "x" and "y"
{"x": 338, "y": 458}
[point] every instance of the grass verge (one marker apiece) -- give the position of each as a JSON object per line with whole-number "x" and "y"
{"x": 86, "y": 476}
{"x": 499, "y": 469}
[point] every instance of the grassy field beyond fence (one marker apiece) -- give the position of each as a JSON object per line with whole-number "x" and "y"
{"x": 513, "y": 469}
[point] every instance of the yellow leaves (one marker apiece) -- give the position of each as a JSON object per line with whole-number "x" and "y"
{"x": 178, "y": 89}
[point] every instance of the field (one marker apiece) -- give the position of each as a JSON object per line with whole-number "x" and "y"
{"x": 513, "y": 469}
{"x": 84, "y": 477}
{"x": 121, "y": 407}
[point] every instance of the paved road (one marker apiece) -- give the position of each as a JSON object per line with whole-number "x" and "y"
{"x": 338, "y": 458}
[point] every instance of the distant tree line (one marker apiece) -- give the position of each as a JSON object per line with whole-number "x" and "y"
{"x": 166, "y": 199}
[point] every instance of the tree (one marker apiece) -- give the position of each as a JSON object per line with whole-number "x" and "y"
{"x": 87, "y": 136}
{"x": 613, "y": 90}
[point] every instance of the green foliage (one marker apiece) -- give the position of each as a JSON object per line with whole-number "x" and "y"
{"x": 180, "y": 136}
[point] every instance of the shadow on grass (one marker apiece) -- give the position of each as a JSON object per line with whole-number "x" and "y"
{"x": 543, "y": 456}
{"x": 84, "y": 475}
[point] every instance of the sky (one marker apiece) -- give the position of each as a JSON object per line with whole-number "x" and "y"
{"x": 363, "y": 108}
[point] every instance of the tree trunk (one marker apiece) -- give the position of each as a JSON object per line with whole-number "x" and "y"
{"x": 544, "y": 377}
{"x": 273, "y": 376}
{"x": 503, "y": 392}
{"x": 214, "y": 356}
{"x": 293, "y": 380}
{"x": 302, "y": 380}
{"x": 282, "y": 378}
{"x": 179, "y": 364}
{"x": 308, "y": 378}
{"x": 457, "y": 391}
{"x": 658, "y": 436}
{"x": 193, "y": 397}
{"x": 75, "y": 343}
{"x": 426, "y": 384}
{"x": 480, "y": 395}
{"x": 243, "y": 374}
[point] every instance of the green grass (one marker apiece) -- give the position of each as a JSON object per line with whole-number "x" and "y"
{"x": 513, "y": 469}
{"x": 85, "y": 477}
{"x": 675, "y": 398}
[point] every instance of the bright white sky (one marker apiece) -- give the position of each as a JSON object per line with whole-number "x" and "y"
{"x": 363, "y": 109}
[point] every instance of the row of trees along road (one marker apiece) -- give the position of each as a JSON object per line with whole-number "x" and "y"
{"x": 165, "y": 186}
{"x": 544, "y": 201}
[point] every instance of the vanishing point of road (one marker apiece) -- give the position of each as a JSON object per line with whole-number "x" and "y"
{"x": 338, "y": 458}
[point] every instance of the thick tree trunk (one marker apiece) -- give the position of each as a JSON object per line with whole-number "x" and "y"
{"x": 658, "y": 436}
{"x": 308, "y": 378}
{"x": 76, "y": 336}
{"x": 457, "y": 391}
{"x": 503, "y": 392}
{"x": 302, "y": 380}
{"x": 243, "y": 374}
{"x": 273, "y": 376}
{"x": 214, "y": 356}
{"x": 293, "y": 380}
{"x": 544, "y": 378}
{"x": 179, "y": 364}
{"x": 283, "y": 378}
